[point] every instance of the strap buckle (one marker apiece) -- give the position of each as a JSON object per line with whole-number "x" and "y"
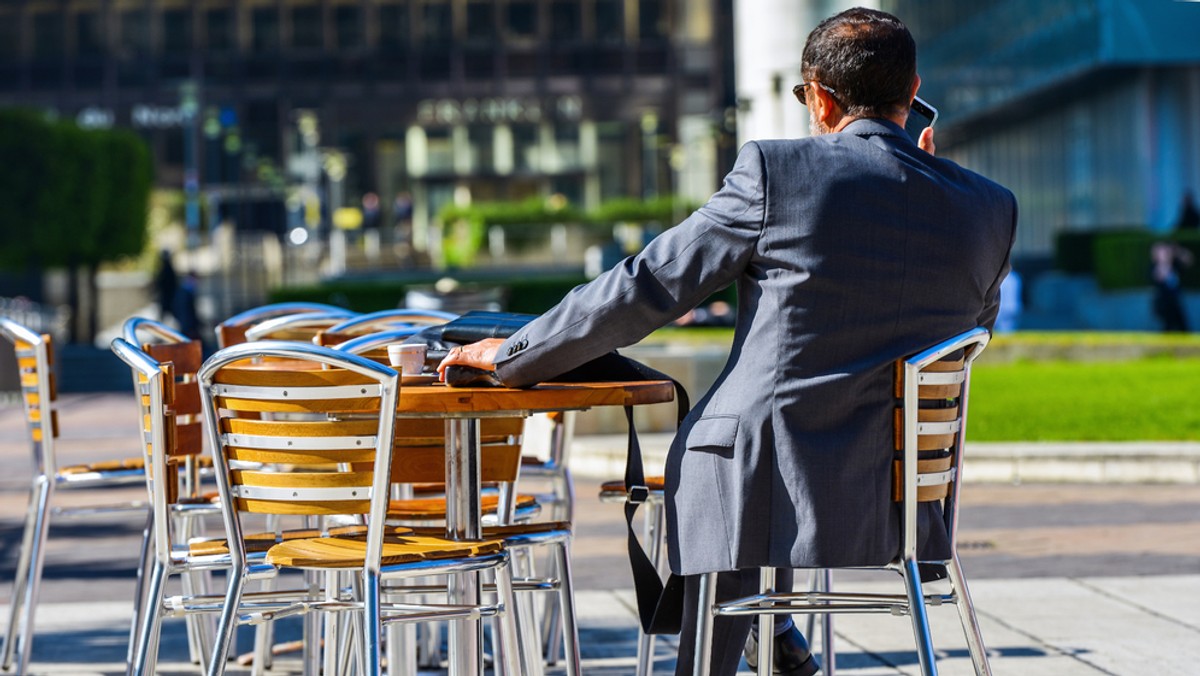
{"x": 638, "y": 494}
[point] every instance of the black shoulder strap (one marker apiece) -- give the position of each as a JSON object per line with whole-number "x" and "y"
{"x": 660, "y": 606}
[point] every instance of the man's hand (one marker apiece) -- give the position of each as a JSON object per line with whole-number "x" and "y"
{"x": 481, "y": 355}
{"x": 925, "y": 141}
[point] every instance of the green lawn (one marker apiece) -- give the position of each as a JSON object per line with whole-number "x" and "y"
{"x": 1069, "y": 386}
{"x": 1156, "y": 398}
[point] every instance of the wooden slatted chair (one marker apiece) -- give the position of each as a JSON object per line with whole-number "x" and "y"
{"x": 326, "y": 451}
{"x": 931, "y": 388}
{"x": 303, "y": 326}
{"x": 169, "y": 399}
{"x": 419, "y": 459}
{"x": 232, "y": 331}
{"x": 35, "y": 357}
{"x": 185, "y": 506}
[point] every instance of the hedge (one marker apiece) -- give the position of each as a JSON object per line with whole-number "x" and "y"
{"x": 1122, "y": 259}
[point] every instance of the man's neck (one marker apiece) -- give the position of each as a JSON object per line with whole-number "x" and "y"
{"x": 846, "y": 120}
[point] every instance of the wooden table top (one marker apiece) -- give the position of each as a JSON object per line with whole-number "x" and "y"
{"x": 438, "y": 400}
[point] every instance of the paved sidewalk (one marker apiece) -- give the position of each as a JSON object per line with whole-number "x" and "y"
{"x": 1047, "y": 626}
{"x": 1100, "y": 576}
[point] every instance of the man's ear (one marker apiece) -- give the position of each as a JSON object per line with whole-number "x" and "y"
{"x": 827, "y": 110}
{"x": 915, "y": 88}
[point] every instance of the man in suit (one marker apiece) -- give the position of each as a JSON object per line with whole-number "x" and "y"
{"x": 850, "y": 249}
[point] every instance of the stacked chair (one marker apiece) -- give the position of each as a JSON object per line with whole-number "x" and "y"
{"x": 419, "y": 468}
{"x": 326, "y": 451}
{"x": 35, "y": 355}
{"x": 232, "y": 331}
{"x": 173, "y": 438}
{"x": 931, "y": 392}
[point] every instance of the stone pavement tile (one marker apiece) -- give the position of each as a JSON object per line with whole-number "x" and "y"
{"x": 1098, "y": 629}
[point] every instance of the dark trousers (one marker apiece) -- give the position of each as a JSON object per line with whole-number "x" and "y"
{"x": 729, "y": 633}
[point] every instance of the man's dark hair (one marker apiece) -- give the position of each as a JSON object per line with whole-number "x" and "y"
{"x": 868, "y": 57}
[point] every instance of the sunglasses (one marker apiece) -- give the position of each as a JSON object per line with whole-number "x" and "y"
{"x": 919, "y": 105}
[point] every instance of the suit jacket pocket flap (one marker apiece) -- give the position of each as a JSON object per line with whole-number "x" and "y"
{"x": 713, "y": 433}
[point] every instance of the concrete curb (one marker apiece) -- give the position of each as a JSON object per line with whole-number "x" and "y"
{"x": 603, "y": 456}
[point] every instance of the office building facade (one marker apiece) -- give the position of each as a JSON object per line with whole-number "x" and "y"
{"x": 1088, "y": 109}
{"x": 437, "y": 100}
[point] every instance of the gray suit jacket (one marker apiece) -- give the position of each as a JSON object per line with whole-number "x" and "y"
{"x": 849, "y": 251}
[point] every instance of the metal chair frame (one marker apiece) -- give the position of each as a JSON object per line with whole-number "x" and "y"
{"x": 38, "y": 392}
{"x": 914, "y": 601}
{"x": 507, "y": 514}
{"x": 307, "y": 324}
{"x": 382, "y": 320}
{"x": 232, "y": 330}
{"x": 370, "y": 612}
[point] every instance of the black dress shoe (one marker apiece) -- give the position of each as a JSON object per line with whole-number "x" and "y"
{"x": 791, "y": 654}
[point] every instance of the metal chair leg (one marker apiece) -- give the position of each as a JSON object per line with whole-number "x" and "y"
{"x": 145, "y": 564}
{"x": 512, "y": 650}
{"x": 920, "y": 618}
{"x": 227, "y": 625}
{"x": 966, "y": 613}
{"x": 702, "y": 654}
{"x": 653, "y": 537}
{"x": 566, "y": 596}
{"x": 19, "y": 642}
{"x": 18, "y": 589}
{"x": 146, "y": 657}
{"x": 766, "y": 625}
{"x": 821, "y": 580}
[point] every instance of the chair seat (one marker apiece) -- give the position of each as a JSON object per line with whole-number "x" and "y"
{"x": 341, "y": 552}
{"x": 258, "y": 543}
{"x": 654, "y": 483}
{"x": 431, "y": 508}
{"x": 121, "y": 468}
{"x": 502, "y": 532}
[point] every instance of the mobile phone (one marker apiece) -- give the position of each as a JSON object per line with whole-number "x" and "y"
{"x": 920, "y": 115}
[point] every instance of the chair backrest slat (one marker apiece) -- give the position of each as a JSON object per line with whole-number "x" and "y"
{"x": 939, "y": 421}
{"x": 312, "y": 427}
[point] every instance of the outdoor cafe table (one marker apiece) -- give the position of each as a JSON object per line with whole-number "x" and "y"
{"x": 462, "y": 408}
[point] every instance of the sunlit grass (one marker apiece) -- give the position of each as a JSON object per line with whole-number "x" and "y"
{"x": 1069, "y": 386}
{"x": 1137, "y": 400}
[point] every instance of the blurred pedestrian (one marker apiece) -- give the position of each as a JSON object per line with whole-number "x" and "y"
{"x": 1189, "y": 215}
{"x": 166, "y": 282}
{"x": 1011, "y": 305}
{"x": 184, "y": 306}
{"x": 1166, "y": 258}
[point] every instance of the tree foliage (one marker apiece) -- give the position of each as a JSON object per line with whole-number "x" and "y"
{"x": 70, "y": 196}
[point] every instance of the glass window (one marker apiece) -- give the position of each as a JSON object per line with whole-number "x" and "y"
{"x": 652, "y": 20}
{"x": 265, "y": 29}
{"x": 177, "y": 30}
{"x": 10, "y": 35}
{"x": 439, "y": 143}
{"x": 525, "y": 147}
{"x": 522, "y": 18}
{"x": 393, "y": 25}
{"x": 218, "y": 28}
{"x": 306, "y": 28}
{"x": 564, "y": 21}
{"x": 566, "y": 144}
{"x": 608, "y": 21}
{"x": 347, "y": 20}
{"x": 610, "y": 156}
{"x": 437, "y": 25}
{"x": 481, "y": 21}
{"x": 48, "y": 35}
{"x": 88, "y": 36}
{"x": 135, "y": 30}
{"x": 479, "y": 139}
